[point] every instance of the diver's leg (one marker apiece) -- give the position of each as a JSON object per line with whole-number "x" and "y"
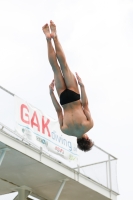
{"x": 69, "y": 77}
{"x": 59, "y": 80}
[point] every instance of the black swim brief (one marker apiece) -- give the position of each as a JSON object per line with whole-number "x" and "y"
{"x": 68, "y": 96}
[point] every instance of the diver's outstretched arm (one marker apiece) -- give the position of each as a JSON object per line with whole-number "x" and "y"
{"x": 85, "y": 103}
{"x": 56, "y": 104}
{"x": 54, "y": 100}
{"x": 84, "y": 98}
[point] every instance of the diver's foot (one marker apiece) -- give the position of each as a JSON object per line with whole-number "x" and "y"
{"x": 53, "y": 29}
{"x": 46, "y": 31}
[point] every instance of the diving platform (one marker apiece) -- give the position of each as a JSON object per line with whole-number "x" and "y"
{"x": 29, "y": 169}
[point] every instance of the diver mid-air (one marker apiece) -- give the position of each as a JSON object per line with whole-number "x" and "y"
{"x": 76, "y": 119}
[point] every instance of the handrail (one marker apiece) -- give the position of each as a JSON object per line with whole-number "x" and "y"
{"x": 7, "y": 91}
{"x": 105, "y": 152}
{"x": 93, "y": 164}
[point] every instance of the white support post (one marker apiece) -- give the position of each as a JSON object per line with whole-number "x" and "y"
{"x": 2, "y": 154}
{"x": 78, "y": 167}
{"x": 60, "y": 189}
{"x": 110, "y": 175}
{"x": 107, "y": 173}
{"x": 23, "y": 193}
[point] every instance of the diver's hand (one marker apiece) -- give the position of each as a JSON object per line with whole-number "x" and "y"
{"x": 79, "y": 80}
{"x": 51, "y": 87}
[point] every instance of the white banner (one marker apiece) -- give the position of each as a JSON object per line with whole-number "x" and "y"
{"x": 43, "y": 132}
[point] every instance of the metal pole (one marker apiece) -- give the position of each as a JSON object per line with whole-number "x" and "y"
{"x": 110, "y": 176}
{"x": 78, "y": 169}
{"x": 2, "y": 156}
{"x": 105, "y": 151}
{"x": 107, "y": 173}
{"x": 60, "y": 190}
{"x": 23, "y": 193}
{"x": 93, "y": 164}
{"x": 3, "y": 152}
{"x": 7, "y": 91}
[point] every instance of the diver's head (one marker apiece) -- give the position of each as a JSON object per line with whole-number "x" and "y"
{"x": 84, "y": 143}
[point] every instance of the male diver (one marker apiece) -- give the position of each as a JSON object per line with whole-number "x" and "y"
{"x": 75, "y": 118}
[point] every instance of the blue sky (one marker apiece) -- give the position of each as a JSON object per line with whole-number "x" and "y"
{"x": 97, "y": 39}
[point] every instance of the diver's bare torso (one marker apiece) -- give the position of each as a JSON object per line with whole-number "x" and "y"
{"x": 75, "y": 122}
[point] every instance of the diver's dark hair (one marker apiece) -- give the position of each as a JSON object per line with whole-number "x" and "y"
{"x": 84, "y": 144}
